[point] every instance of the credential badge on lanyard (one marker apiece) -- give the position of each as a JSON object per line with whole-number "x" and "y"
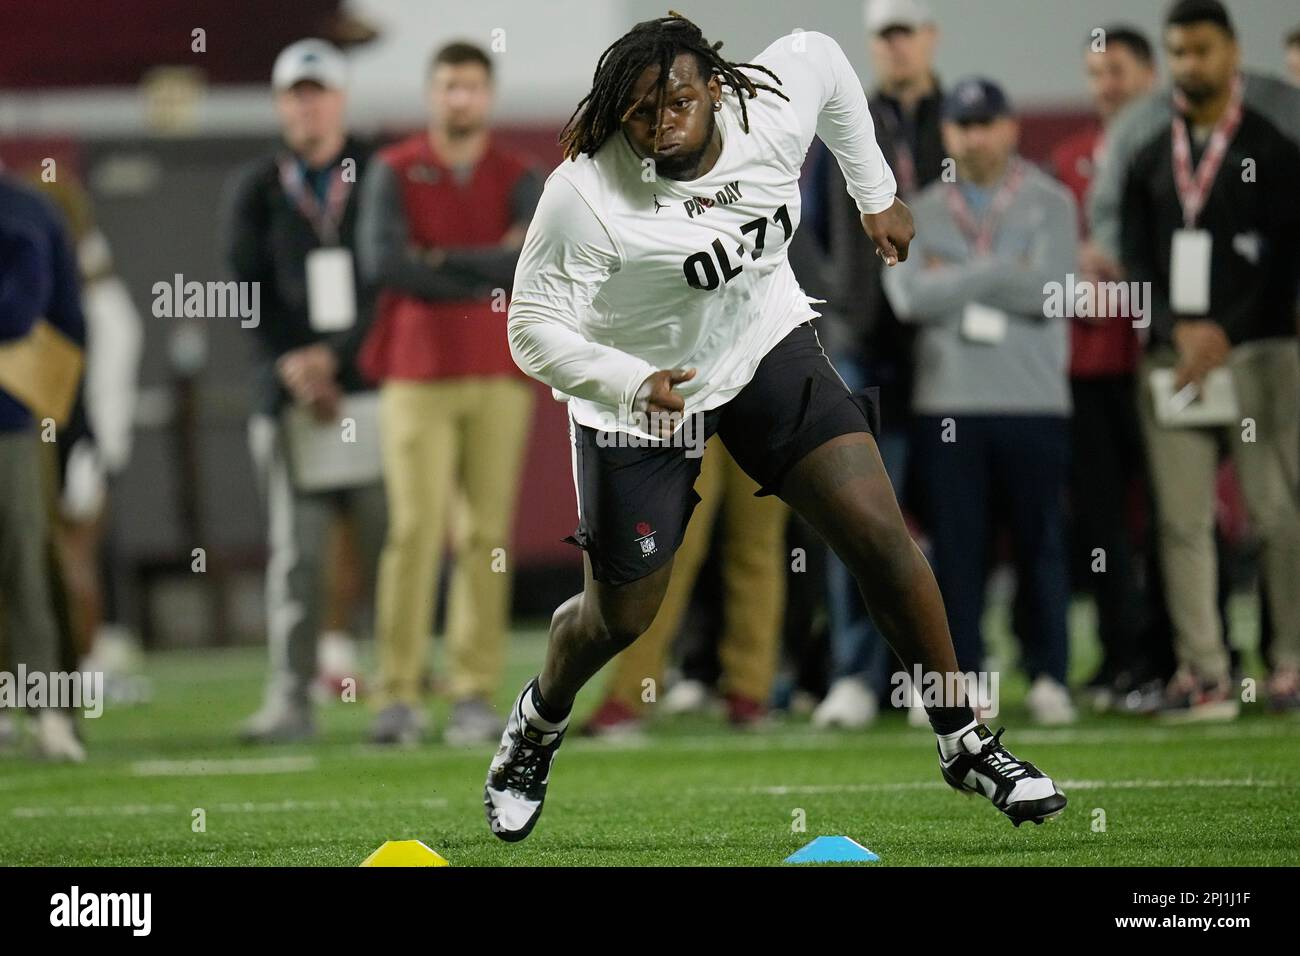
{"x": 1190, "y": 247}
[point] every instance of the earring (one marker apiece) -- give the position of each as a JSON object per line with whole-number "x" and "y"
{"x": 717, "y": 105}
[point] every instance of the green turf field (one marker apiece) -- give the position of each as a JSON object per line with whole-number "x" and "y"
{"x": 691, "y": 793}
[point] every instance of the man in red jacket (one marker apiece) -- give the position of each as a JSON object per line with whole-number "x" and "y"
{"x": 443, "y": 217}
{"x": 1107, "y": 441}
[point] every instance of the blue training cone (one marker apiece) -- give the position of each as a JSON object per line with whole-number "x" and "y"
{"x": 833, "y": 849}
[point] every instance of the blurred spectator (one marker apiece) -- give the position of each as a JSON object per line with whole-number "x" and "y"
{"x": 443, "y": 217}
{"x": 38, "y": 281}
{"x": 991, "y": 397}
{"x": 1210, "y": 219}
{"x": 753, "y": 575}
{"x": 1293, "y": 56}
{"x": 291, "y": 224}
{"x": 1106, "y": 440}
{"x": 1272, "y": 98}
{"x": 865, "y": 341}
{"x": 95, "y": 447}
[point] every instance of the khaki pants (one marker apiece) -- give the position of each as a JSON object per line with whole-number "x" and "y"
{"x": 1183, "y": 466}
{"x": 753, "y": 578}
{"x": 452, "y": 447}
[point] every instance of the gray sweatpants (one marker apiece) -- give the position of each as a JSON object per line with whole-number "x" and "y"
{"x": 298, "y": 526}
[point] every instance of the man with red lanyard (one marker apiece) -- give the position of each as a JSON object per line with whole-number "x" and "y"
{"x": 1210, "y": 218}
{"x": 991, "y": 398}
{"x": 1106, "y": 441}
{"x": 290, "y": 222}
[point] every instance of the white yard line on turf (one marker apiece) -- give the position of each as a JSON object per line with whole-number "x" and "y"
{"x": 901, "y": 738}
{"x": 237, "y": 766}
{"x": 1194, "y": 783}
{"x": 908, "y": 738}
{"x": 278, "y": 806}
{"x": 35, "y": 776}
{"x": 1066, "y": 785}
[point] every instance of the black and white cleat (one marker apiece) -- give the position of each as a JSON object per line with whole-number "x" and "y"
{"x": 1016, "y": 787}
{"x": 520, "y": 771}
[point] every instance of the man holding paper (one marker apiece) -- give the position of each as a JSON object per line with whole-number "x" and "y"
{"x": 290, "y": 226}
{"x": 42, "y": 330}
{"x": 991, "y": 394}
{"x": 1210, "y": 218}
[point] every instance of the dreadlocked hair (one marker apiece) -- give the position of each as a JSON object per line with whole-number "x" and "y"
{"x": 602, "y": 111}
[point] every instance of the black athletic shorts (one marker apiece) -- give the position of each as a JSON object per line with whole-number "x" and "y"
{"x": 634, "y": 503}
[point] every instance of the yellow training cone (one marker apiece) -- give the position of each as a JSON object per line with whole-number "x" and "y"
{"x": 404, "y": 853}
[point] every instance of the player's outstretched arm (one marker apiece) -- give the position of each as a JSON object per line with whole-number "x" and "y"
{"x": 829, "y": 102}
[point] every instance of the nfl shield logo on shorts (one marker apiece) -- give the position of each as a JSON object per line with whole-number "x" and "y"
{"x": 647, "y": 538}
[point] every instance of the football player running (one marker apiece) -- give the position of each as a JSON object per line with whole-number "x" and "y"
{"x": 653, "y": 294}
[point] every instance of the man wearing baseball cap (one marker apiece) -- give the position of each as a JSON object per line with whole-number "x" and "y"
{"x": 290, "y": 223}
{"x": 310, "y": 61}
{"x": 992, "y": 401}
{"x": 906, "y": 104}
{"x": 866, "y": 342}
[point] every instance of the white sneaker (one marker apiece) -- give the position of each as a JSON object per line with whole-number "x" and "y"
{"x": 56, "y": 738}
{"x": 1049, "y": 703}
{"x": 278, "y": 722}
{"x": 336, "y": 655}
{"x": 115, "y": 651}
{"x": 850, "y": 704}
{"x": 686, "y": 697}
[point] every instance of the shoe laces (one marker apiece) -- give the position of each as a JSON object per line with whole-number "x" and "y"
{"x": 521, "y": 772}
{"x": 1001, "y": 761}
{"x": 525, "y": 762}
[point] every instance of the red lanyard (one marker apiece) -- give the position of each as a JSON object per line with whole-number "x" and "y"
{"x": 904, "y": 165}
{"x": 324, "y": 220}
{"x": 904, "y": 168}
{"x": 1194, "y": 186}
{"x": 980, "y": 234}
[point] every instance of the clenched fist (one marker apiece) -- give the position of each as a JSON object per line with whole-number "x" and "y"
{"x": 656, "y": 399}
{"x": 891, "y": 231}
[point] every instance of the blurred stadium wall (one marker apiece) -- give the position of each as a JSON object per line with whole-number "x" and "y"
{"x": 117, "y": 96}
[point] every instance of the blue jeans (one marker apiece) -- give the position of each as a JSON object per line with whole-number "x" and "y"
{"x": 857, "y": 648}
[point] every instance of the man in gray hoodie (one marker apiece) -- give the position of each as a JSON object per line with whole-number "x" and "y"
{"x": 991, "y": 395}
